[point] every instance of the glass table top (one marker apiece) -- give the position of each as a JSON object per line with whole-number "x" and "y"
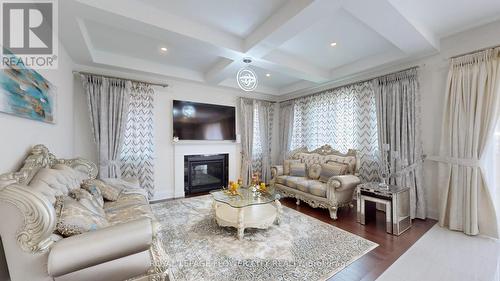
{"x": 245, "y": 197}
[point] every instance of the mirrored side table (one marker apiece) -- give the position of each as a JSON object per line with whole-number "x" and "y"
{"x": 396, "y": 200}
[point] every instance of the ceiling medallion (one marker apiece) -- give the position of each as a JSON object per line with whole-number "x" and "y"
{"x": 246, "y": 77}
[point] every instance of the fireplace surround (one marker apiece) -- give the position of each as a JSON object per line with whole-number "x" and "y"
{"x": 203, "y": 173}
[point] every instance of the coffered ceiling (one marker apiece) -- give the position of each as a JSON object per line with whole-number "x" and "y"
{"x": 290, "y": 41}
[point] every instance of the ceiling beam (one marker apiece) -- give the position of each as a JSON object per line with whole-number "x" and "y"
{"x": 140, "y": 12}
{"x": 271, "y": 26}
{"x": 262, "y": 44}
{"x": 116, "y": 60}
{"x": 286, "y": 23}
{"x": 221, "y": 70}
{"x": 408, "y": 36}
{"x": 293, "y": 66}
{"x": 135, "y": 16}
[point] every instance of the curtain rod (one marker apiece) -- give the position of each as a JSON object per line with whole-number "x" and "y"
{"x": 114, "y": 77}
{"x": 352, "y": 83}
{"x": 473, "y": 52}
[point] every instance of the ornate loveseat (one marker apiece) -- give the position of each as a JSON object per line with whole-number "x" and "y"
{"x": 332, "y": 192}
{"x": 127, "y": 248}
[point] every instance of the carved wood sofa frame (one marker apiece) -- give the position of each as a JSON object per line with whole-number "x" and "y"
{"x": 340, "y": 189}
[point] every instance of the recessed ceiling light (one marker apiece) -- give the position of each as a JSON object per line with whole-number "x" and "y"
{"x": 333, "y": 44}
{"x": 163, "y": 49}
{"x": 268, "y": 74}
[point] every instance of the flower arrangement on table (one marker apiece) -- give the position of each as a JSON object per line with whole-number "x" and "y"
{"x": 233, "y": 188}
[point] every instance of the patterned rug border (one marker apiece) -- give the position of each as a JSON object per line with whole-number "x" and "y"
{"x": 327, "y": 276}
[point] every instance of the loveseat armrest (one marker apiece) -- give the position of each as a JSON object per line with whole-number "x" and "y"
{"x": 276, "y": 171}
{"x": 92, "y": 248}
{"x": 344, "y": 182}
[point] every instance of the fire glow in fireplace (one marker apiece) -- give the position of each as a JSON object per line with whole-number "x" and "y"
{"x": 203, "y": 173}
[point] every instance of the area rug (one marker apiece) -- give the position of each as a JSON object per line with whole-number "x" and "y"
{"x": 300, "y": 248}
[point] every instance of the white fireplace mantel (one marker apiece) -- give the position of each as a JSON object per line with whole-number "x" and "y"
{"x": 183, "y": 148}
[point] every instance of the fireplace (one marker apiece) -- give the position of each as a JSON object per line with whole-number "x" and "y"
{"x": 203, "y": 173}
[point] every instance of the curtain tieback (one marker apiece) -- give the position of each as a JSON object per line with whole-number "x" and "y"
{"x": 469, "y": 162}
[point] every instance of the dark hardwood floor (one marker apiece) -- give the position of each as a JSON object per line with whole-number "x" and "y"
{"x": 390, "y": 248}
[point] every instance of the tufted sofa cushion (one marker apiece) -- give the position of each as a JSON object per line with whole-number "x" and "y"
{"x": 61, "y": 181}
{"x": 314, "y": 187}
{"x": 315, "y": 158}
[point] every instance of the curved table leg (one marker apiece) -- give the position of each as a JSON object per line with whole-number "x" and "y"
{"x": 279, "y": 211}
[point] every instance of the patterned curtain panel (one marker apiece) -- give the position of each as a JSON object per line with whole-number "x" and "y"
{"x": 257, "y": 146}
{"x": 398, "y": 107}
{"x": 246, "y": 126}
{"x": 262, "y": 138}
{"x": 344, "y": 118}
{"x": 138, "y": 147}
{"x": 108, "y": 101}
{"x": 285, "y": 128}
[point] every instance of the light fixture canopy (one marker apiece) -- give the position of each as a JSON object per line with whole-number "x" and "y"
{"x": 247, "y": 60}
{"x": 247, "y": 78}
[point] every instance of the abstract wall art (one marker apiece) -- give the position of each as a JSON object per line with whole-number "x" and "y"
{"x": 26, "y": 93}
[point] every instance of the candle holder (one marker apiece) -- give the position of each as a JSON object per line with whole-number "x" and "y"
{"x": 389, "y": 165}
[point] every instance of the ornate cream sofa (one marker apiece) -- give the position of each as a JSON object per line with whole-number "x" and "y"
{"x": 128, "y": 249}
{"x": 335, "y": 193}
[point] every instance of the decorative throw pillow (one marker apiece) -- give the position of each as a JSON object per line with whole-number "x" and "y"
{"x": 314, "y": 171}
{"x": 332, "y": 169}
{"x": 88, "y": 200}
{"x": 286, "y": 165}
{"x": 73, "y": 218}
{"x": 298, "y": 169}
{"x": 94, "y": 191}
{"x": 109, "y": 192}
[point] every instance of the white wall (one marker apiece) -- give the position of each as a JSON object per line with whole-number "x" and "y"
{"x": 164, "y": 148}
{"x": 433, "y": 74}
{"x": 20, "y": 134}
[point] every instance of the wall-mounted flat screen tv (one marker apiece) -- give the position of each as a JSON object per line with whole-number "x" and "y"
{"x": 200, "y": 121}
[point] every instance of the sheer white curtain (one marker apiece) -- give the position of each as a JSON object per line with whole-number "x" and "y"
{"x": 138, "y": 146}
{"x": 491, "y": 164}
{"x": 345, "y": 118}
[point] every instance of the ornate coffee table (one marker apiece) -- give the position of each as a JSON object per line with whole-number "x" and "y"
{"x": 246, "y": 210}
